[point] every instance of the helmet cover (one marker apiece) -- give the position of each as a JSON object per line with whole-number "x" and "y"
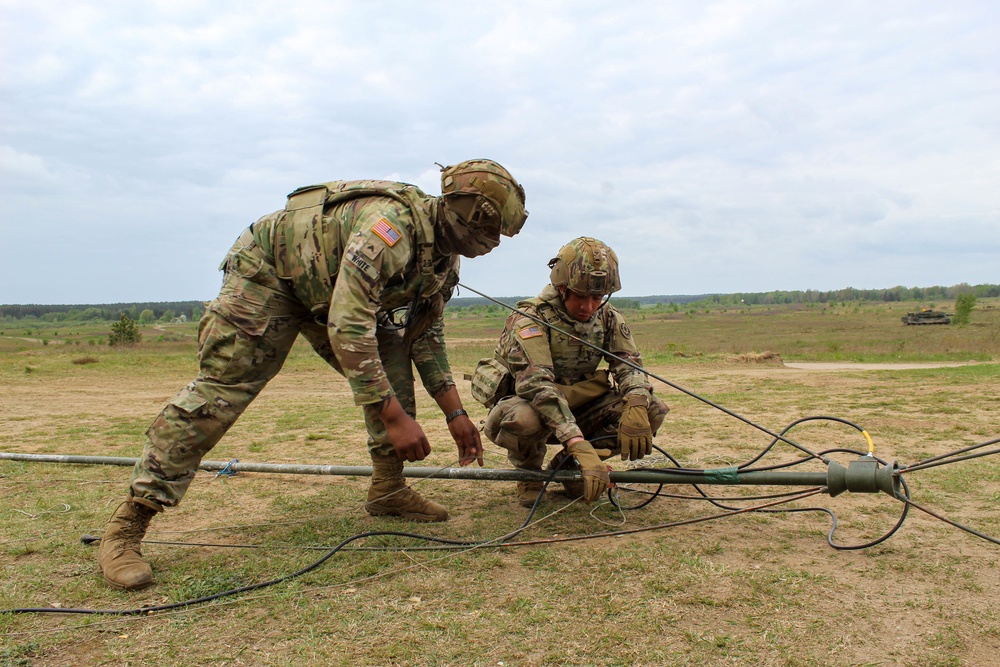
{"x": 586, "y": 266}
{"x": 485, "y": 195}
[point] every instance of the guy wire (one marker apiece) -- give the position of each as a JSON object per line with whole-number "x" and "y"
{"x": 647, "y": 372}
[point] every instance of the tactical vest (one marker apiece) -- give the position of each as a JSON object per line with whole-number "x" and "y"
{"x": 574, "y": 363}
{"x": 304, "y": 227}
{"x": 572, "y": 360}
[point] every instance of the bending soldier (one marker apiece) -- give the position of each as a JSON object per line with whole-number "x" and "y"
{"x": 543, "y": 385}
{"x": 340, "y": 264}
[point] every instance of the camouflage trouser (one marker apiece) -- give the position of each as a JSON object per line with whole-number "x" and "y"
{"x": 514, "y": 425}
{"x": 243, "y": 340}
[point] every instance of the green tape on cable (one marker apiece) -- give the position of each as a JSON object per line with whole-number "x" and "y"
{"x": 722, "y": 476}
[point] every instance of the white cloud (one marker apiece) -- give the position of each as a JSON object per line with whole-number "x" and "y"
{"x": 728, "y": 146}
{"x": 22, "y": 166}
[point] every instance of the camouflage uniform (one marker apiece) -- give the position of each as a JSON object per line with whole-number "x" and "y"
{"x": 336, "y": 265}
{"x": 558, "y": 393}
{"x": 332, "y": 265}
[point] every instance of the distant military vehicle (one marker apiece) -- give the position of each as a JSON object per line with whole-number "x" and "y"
{"x": 927, "y": 316}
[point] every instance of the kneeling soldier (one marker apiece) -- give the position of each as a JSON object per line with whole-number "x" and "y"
{"x": 543, "y": 385}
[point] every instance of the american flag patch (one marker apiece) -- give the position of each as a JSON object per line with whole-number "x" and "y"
{"x": 529, "y": 332}
{"x": 385, "y": 231}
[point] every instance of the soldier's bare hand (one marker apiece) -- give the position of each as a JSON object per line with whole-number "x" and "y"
{"x": 466, "y": 436}
{"x": 412, "y": 451}
{"x": 404, "y": 433}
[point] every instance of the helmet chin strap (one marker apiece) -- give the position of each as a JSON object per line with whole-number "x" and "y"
{"x": 444, "y": 224}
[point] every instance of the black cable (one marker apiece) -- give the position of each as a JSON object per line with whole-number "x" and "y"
{"x": 500, "y": 542}
{"x": 958, "y": 451}
{"x": 207, "y": 598}
{"x": 952, "y": 457}
{"x": 745, "y": 467}
{"x": 503, "y": 541}
{"x": 333, "y": 551}
{"x": 817, "y": 456}
{"x": 264, "y": 584}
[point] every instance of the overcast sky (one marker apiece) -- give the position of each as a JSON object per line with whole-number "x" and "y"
{"x": 716, "y": 146}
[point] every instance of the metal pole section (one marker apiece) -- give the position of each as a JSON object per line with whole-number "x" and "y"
{"x": 725, "y": 476}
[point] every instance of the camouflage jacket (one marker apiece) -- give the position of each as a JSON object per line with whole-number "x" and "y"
{"x": 540, "y": 358}
{"x": 353, "y": 252}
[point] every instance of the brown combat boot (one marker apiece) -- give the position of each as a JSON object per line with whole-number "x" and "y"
{"x": 572, "y": 490}
{"x": 389, "y": 494}
{"x": 120, "y": 555}
{"x": 528, "y": 492}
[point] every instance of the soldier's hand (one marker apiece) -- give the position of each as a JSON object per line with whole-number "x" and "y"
{"x": 595, "y": 474}
{"x": 404, "y": 433}
{"x": 634, "y": 433}
{"x": 466, "y": 436}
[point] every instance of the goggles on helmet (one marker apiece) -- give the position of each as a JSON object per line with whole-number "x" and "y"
{"x": 496, "y": 194}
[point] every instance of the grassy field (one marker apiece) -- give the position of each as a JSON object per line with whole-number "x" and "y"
{"x": 743, "y": 589}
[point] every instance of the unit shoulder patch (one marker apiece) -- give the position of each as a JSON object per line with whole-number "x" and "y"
{"x": 623, "y": 328}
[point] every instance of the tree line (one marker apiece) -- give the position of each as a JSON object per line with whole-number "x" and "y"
{"x": 139, "y": 312}
{"x": 892, "y": 294}
{"x": 481, "y": 306}
{"x": 477, "y": 306}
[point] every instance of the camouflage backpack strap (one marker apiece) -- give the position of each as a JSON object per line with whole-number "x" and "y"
{"x": 301, "y": 230}
{"x": 317, "y": 247}
{"x": 429, "y": 284}
{"x": 301, "y": 210}
{"x": 409, "y": 195}
{"x": 547, "y": 313}
{"x": 425, "y": 248}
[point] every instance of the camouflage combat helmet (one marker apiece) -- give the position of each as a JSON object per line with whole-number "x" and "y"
{"x": 480, "y": 200}
{"x": 586, "y": 266}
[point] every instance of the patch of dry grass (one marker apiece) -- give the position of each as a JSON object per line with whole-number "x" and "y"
{"x": 760, "y": 589}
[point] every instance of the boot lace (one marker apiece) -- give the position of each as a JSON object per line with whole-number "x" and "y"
{"x": 132, "y": 531}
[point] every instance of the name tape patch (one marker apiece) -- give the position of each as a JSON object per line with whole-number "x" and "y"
{"x": 360, "y": 262}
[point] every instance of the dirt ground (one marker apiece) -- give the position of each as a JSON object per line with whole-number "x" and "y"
{"x": 927, "y": 596}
